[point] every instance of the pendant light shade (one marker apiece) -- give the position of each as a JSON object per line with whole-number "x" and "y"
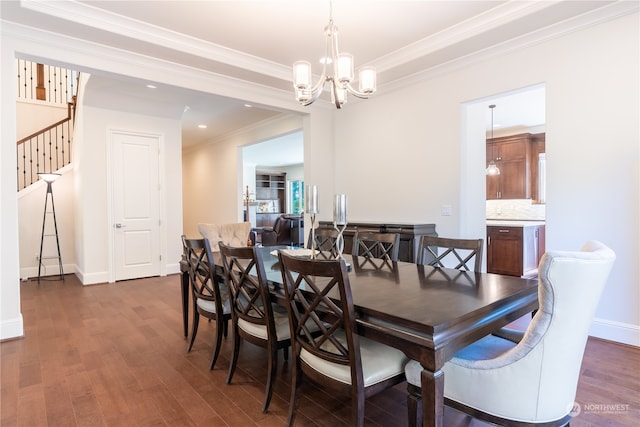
{"x": 492, "y": 169}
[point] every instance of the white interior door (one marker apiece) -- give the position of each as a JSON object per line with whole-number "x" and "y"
{"x": 135, "y": 202}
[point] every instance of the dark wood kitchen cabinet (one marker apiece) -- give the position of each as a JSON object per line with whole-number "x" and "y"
{"x": 517, "y": 158}
{"x": 515, "y": 250}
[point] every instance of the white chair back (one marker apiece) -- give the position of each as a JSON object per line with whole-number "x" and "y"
{"x": 536, "y": 380}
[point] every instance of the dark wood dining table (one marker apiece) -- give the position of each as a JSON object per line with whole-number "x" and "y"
{"x": 428, "y": 313}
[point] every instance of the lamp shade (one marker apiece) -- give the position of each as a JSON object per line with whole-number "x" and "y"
{"x": 368, "y": 80}
{"x": 49, "y": 177}
{"x": 302, "y": 75}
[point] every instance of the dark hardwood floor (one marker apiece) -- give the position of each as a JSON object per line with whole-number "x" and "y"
{"x": 115, "y": 355}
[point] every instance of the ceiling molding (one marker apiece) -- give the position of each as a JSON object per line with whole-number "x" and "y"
{"x": 589, "y": 19}
{"x": 64, "y": 50}
{"x": 81, "y": 13}
{"x": 493, "y": 18}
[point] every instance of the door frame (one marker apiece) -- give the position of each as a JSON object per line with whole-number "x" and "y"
{"x": 110, "y": 195}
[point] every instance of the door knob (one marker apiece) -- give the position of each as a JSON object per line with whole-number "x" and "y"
{"x": 120, "y": 225}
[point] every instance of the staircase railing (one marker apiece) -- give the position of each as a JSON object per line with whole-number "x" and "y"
{"x": 48, "y": 149}
{"x": 45, "y": 151}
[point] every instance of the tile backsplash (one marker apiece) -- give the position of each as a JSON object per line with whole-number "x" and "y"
{"x": 517, "y": 209}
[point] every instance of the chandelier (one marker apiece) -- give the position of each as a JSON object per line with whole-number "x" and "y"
{"x": 337, "y": 69}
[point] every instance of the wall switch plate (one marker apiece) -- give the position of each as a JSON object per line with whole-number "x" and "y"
{"x": 446, "y": 210}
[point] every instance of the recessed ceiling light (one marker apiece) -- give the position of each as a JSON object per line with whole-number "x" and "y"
{"x": 202, "y": 126}
{"x": 248, "y": 105}
{"x": 150, "y": 86}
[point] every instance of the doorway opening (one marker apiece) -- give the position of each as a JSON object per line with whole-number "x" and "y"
{"x": 518, "y": 193}
{"x": 273, "y": 179}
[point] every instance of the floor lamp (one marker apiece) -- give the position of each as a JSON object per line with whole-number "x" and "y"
{"x": 49, "y": 178}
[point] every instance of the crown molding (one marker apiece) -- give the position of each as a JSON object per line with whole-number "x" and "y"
{"x": 55, "y": 48}
{"x": 465, "y": 30}
{"x": 81, "y": 13}
{"x": 595, "y": 17}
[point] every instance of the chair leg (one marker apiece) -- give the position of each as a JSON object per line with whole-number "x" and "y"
{"x": 225, "y": 327}
{"x": 414, "y": 408}
{"x": 234, "y": 357}
{"x": 285, "y": 354}
{"x": 194, "y": 328}
{"x": 273, "y": 365}
{"x": 357, "y": 408}
{"x": 296, "y": 380}
{"x": 218, "y": 343}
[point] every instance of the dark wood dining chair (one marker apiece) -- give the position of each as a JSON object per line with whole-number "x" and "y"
{"x": 376, "y": 245}
{"x": 255, "y": 318}
{"x": 336, "y": 357}
{"x": 325, "y": 242}
{"x": 210, "y": 298}
{"x": 451, "y": 253}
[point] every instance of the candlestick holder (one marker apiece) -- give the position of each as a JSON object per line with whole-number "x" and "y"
{"x": 340, "y": 239}
{"x": 313, "y": 236}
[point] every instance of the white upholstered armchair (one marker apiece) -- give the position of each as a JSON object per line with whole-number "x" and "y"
{"x": 235, "y": 234}
{"x": 535, "y": 380}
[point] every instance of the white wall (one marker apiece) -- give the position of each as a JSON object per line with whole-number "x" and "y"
{"x": 11, "y": 324}
{"x": 213, "y": 174}
{"x": 31, "y": 211}
{"x": 35, "y": 115}
{"x": 93, "y": 199}
{"x": 420, "y": 136}
{"x": 591, "y": 79}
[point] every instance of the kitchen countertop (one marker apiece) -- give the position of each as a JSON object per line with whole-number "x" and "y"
{"x": 513, "y": 223}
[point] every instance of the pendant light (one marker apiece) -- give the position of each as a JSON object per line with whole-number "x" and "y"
{"x": 492, "y": 169}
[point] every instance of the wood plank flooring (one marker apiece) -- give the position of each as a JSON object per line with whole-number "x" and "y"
{"x": 115, "y": 355}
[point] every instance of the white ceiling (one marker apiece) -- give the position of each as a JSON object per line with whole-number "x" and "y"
{"x": 255, "y": 42}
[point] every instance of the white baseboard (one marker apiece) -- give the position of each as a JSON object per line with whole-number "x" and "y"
{"x": 173, "y": 268}
{"x": 11, "y": 328}
{"x": 610, "y": 330}
{"x": 32, "y": 272}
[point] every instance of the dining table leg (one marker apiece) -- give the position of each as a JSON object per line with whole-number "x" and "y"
{"x": 432, "y": 398}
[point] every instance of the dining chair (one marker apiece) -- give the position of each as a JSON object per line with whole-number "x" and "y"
{"x": 451, "y": 253}
{"x": 325, "y": 242}
{"x": 376, "y": 245}
{"x": 318, "y": 295}
{"x": 210, "y": 298}
{"x": 532, "y": 381}
{"x": 254, "y": 318}
{"x": 234, "y": 234}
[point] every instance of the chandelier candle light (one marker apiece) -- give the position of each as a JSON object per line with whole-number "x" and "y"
{"x": 337, "y": 68}
{"x": 340, "y": 221}
{"x": 311, "y": 206}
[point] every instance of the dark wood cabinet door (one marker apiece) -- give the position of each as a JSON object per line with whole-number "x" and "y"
{"x": 514, "y": 155}
{"x": 504, "y": 250}
{"x": 513, "y": 179}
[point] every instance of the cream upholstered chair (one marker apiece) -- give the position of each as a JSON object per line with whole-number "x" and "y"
{"x": 235, "y": 234}
{"x": 534, "y": 381}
